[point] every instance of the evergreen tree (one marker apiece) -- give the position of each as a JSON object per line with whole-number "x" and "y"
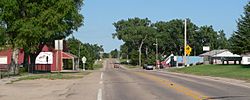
{"x": 240, "y": 41}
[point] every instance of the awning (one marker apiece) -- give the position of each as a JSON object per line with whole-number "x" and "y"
{"x": 66, "y": 55}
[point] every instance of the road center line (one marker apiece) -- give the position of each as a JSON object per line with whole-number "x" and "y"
{"x": 194, "y": 94}
{"x": 101, "y": 82}
{"x": 101, "y": 75}
{"x": 99, "y": 94}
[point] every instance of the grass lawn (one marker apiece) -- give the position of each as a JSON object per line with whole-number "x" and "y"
{"x": 54, "y": 76}
{"x": 98, "y": 65}
{"x": 123, "y": 60}
{"x": 131, "y": 66}
{"x": 229, "y": 71}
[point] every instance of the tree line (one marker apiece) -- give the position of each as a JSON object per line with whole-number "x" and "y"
{"x": 90, "y": 51}
{"x": 142, "y": 38}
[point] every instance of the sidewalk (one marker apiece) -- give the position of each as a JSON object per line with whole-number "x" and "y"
{"x": 7, "y": 80}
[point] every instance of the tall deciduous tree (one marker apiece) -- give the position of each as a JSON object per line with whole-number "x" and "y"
{"x": 114, "y": 53}
{"x": 171, "y": 35}
{"x": 205, "y": 36}
{"x": 31, "y": 23}
{"x": 240, "y": 41}
{"x": 135, "y": 31}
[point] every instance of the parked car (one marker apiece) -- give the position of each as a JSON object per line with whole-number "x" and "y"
{"x": 149, "y": 67}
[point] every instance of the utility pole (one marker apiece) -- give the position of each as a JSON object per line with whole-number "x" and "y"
{"x": 156, "y": 51}
{"x": 79, "y": 55}
{"x": 185, "y": 42}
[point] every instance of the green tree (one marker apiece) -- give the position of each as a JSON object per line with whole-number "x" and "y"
{"x": 223, "y": 42}
{"x": 240, "y": 40}
{"x": 171, "y": 36}
{"x": 135, "y": 31}
{"x": 114, "y": 53}
{"x": 91, "y": 52}
{"x": 29, "y": 24}
{"x": 3, "y": 40}
{"x": 205, "y": 36}
{"x": 105, "y": 55}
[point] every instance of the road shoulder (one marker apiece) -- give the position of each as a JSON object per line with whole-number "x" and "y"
{"x": 235, "y": 82}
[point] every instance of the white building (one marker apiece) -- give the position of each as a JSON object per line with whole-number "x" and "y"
{"x": 221, "y": 56}
{"x": 245, "y": 59}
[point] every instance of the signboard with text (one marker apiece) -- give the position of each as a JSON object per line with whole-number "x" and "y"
{"x": 59, "y": 44}
{"x": 44, "y": 58}
{"x": 84, "y": 59}
{"x": 3, "y": 60}
{"x": 206, "y": 48}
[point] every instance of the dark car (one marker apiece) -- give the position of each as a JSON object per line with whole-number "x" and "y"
{"x": 116, "y": 65}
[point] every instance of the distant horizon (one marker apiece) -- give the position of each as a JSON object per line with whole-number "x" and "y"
{"x": 100, "y": 15}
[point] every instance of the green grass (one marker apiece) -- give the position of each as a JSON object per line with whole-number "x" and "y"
{"x": 123, "y": 61}
{"x": 53, "y": 76}
{"x": 131, "y": 66}
{"x": 98, "y": 65}
{"x": 229, "y": 71}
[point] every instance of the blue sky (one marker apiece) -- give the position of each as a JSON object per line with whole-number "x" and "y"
{"x": 100, "y": 14}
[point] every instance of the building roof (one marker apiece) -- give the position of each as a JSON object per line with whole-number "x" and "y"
{"x": 213, "y": 52}
{"x": 226, "y": 54}
{"x": 220, "y": 53}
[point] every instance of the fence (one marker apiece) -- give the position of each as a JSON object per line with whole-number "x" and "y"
{"x": 4, "y": 69}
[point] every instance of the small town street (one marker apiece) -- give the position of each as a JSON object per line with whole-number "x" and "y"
{"x": 111, "y": 83}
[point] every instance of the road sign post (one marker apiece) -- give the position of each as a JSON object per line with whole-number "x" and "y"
{"x": 84, "y": 59}
{"x": 188, "y": 50}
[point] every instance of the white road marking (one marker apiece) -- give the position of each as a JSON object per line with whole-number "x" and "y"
{"x": 101, "y": 75}
{"x": 99, "y": 95}
{"x": 101, "y": 82}
{"x": 105, "y": 64}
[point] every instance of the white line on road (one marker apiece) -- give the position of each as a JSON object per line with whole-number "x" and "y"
{"x": 101, "y": 75}
{"x": 101, "y": 82}
{"x": 99, "y": 95}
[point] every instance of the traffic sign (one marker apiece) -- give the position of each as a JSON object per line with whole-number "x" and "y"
{"x": 188, "y": 50}
{"x": 84, "y": 59}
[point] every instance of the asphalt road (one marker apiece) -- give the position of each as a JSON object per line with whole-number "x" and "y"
{"x": 122, "y": 84}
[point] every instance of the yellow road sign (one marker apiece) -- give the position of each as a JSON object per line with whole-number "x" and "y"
{"x": 188, "y": 50}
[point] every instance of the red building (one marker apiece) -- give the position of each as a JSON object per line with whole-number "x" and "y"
{"x": 5, "y": 57}
{"x": 49, "y": 59}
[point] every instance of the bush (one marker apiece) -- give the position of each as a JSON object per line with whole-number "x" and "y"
{"x": 23, "y": 70}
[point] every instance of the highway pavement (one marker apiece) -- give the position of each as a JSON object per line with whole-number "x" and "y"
{"x": 123, "y": 84}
